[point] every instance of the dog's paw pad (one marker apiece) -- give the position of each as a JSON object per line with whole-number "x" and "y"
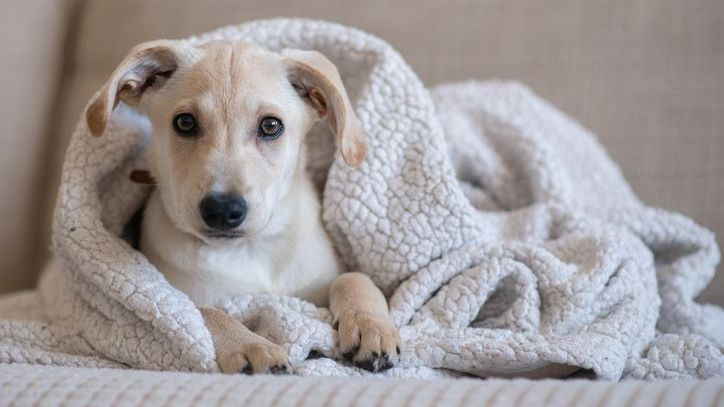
{"x": 369, "y": 341}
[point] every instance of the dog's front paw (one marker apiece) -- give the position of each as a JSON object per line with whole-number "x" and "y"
{"x": 254, "y": 356}
{"x": 369, "y": 340}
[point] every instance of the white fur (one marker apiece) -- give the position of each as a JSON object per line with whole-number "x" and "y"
{"x": 293, "y": 256}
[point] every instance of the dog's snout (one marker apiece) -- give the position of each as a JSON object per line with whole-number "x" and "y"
{"x": 223, "y": 211}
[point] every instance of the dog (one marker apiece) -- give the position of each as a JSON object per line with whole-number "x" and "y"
{"x": 234, "y": 210}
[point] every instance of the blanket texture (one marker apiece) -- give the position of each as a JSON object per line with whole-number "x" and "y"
{"x": 506, "y": 239}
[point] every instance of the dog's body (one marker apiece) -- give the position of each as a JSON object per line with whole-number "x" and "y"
{"x": 234, "y": 211}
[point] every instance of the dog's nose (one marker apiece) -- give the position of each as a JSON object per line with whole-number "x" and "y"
{"x": 223, "y": 211}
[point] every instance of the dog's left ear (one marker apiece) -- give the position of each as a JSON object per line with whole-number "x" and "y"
{"x": 316, "y": 79}
{"x": 144, "y": 68}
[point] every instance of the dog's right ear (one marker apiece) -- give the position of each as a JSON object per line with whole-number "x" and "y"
{"x": 145, "y": 68}
{"x": 317, "y": 80}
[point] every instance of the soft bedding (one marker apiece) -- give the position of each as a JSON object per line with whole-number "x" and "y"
{"x": 508, "y": 242}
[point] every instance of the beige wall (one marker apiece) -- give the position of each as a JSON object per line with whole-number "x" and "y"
{"x": 646, "y": 76}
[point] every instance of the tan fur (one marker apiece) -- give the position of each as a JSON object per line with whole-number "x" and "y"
{"x": 155, "y": 57}
{"x": 365, "y": 330}
{"x": 240, "y": 350}
{"x": 319, "y": 80}
{"x": 281, "y": 246}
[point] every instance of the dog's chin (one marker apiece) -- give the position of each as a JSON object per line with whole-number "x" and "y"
{"x": 230, "y": 237}
{"x": 225, "y": 236}
{"x": 214, "y": 238}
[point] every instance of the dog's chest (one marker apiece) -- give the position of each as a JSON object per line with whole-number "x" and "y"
{"x": 211, "y": 275}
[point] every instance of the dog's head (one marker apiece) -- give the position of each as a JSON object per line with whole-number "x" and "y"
{"x": 228, "y": 120}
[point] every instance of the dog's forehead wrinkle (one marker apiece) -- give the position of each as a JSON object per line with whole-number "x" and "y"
{"x": 234, "y": 74}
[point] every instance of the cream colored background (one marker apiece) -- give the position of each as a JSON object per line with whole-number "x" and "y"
{"x": 646, "y": 76}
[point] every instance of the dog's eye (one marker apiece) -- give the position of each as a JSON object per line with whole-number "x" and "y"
{"x": 270, "y": 128}
{"x": 185, "y": 124}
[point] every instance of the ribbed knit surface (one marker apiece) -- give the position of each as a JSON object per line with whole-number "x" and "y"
{"x": 25, "y": 385}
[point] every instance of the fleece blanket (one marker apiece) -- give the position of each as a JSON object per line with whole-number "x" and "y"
{"x": 506, "y": 239}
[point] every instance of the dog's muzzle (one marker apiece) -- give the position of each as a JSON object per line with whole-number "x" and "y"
{"x": 223, "y": 212}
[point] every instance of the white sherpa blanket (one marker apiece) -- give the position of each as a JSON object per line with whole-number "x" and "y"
{"x": 506, "y": 239}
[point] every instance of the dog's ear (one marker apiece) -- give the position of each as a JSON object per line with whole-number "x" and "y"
{"x": 316, "y": 79}
{"x": 146, "y": 67}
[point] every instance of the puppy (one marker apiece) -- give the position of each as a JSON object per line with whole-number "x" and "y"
{"x": 234, "y": 211}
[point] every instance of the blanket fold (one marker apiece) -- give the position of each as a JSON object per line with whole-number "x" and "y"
{"x": 507, "y": 241}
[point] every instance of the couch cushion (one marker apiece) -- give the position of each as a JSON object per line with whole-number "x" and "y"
{"x": 32, "y": 35}
{"x": 645, "y": 76}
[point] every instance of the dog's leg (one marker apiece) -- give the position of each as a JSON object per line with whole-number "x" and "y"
{"x": 366, "y": 334}
{"x": 239, "y": 350}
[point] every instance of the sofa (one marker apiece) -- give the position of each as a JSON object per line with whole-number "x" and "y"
{"x": 644, "y": 76}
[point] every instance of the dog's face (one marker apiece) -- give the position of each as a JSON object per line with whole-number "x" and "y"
{"x": 228, "y": 121}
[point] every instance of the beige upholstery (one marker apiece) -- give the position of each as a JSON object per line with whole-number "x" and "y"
{"x": 32, "y": 34}
{"x": 646, "y": 76}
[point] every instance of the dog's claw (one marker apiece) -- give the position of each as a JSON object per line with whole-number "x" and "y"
{"x": 369, "y": 364}
{"x": 369, "y": 341}
{"x": 283, "y": 369}
{"x": 389, "y": 364}
{"x": 253, "y": 357}
{"x": 349, "y": 355}
{"x": 377, "y": 363}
